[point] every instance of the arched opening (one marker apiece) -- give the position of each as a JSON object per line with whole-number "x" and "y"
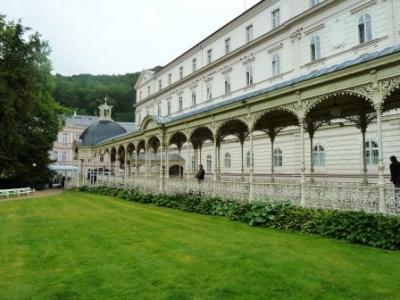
{"x": 198, "y": 137}
{"x": 233, "y": 128}
{"x": 154, "y": 155}
{"x": 141, "y": 154}
{"x": 272, "y": 122}
{"x": 131, "y": 157}
{"x": 340, "y": 111}
{"x": 178, "y": 139}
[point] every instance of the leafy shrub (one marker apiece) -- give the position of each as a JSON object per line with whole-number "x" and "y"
{"x": 375, "y": 230}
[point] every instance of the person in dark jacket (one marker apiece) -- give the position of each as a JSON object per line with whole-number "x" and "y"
{"x": 200, "y": 178}
{"x": 200, "y": 174}
{"x": 395, "y": 171}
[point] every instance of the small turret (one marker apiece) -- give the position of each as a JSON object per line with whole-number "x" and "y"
{"x": 105, "y": 111}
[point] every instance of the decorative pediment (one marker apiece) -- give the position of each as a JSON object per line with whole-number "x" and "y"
{"x": 144, "y": 76}
{"x": 149, "y": 122}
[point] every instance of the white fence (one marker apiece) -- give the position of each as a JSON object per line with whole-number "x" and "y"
{"x": 340, "y": 196}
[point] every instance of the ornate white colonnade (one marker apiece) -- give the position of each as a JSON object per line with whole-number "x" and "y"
{"x": 359, "y": 100}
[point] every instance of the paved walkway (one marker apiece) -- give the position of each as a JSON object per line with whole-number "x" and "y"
{"x": 37, "y": 194}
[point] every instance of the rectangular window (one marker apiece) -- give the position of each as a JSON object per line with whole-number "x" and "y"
{"x": 64, "y": 156}
{"x": 276, "y": 18}
{"x": 314, "y": 2}
{"x": 227, "y": 85}
{"x": 194, "y": 65}
{"x": 249, "y": 75}
{"x": 180, "y": 72}
{"x": 209, "y": 92}
{"x": 159, "y": 85}
{"x": 193, "y": 98}
{"x": 169, "y": 107}
{"x": 227, "y": 45}
{"x": 169, "y": 79}
{"x": 148, "y": 91}
{"x": 249, "y": 33}
{"x": 209, "y": 56}
{"x": 276, "y": 65}
{"x": 159, "y": 110}
{"x": 180, "y": 103}
{"x": 65, "y": 138}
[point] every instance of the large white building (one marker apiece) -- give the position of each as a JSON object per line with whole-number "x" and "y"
{"x": 271, "y": 43}
{"x": 299, "y": 90}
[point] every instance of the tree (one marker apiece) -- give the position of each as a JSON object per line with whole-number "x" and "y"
{"x": 29, "y": 116}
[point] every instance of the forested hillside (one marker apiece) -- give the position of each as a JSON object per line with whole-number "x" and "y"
{"x": 85, "y": 92}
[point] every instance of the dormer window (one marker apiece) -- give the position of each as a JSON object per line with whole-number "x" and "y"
{"x": 169, "y": 79}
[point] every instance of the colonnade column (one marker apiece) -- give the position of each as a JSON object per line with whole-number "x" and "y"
{"x": 188, "y": 161}
{"x": 381, "y": 166}
{"x": 251, "y": 179}
{"x": 136, "y": 163}
{"x": 161, "y": 167}
{"x": 303, "y": 165}
{"x": 215, "y": 159}
{"x": 126, "y": 161}
{"x": 167, "y": 161}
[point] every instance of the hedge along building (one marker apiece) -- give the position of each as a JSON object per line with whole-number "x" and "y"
{"x": 282, "y": 80}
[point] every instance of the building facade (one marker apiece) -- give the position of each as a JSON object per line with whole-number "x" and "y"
{"x": 300, "y": 91}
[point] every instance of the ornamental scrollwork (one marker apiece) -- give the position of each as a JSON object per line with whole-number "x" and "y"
{"x": 388, "y": 86}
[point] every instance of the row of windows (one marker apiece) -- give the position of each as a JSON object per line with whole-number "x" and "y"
{"x": 365, "y": 35}
{"x": 371, "y": 154}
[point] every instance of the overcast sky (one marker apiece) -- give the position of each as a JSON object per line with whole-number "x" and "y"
{"x": 120, "y": 36}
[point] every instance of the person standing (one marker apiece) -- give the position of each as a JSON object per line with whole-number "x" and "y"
{"x": 395, "y": 171}
{"x": 395, "y": 179}
{"x": 200, "y": 178}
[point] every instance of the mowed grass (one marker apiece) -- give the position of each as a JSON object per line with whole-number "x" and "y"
{"x": 84, "y": 246}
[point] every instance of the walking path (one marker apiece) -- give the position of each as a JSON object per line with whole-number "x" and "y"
{"x": 37, "y": 194}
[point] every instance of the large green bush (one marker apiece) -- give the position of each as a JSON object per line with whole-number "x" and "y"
{"x": 355, "y": 227}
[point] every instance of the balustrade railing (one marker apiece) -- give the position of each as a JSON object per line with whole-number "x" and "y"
{"x": 339, "y": 196}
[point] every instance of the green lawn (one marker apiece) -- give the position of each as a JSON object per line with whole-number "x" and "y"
{"x": 85, "y": 246}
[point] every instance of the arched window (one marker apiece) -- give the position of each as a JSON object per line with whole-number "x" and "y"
{"x": 227, "y": 161}
{"x": 319, "y": 156}
{"x": 209, "y": 163}
{"x": 365, "y": 28}
{"x": 278, "y": 158}
{"x": 193, "y": 163}
{"x": 276, "y": 64}
{"x": 248, "y": 162}
{"x": 315, "y": 48}
{"x": 371, "y": 152}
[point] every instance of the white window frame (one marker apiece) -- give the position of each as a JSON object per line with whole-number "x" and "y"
{"x": 249, "y": 33}
{"x": 315, "y": 47}
{"x": 319, "y": 156}
{"x": 194, "y": 65}
{"x": 227, "y": 45}
{"x": 314, "y": 2}
{"x": 227, "y": 160}
{"x": 276, "y": 18}
{"x": 227, "y": 84}
{"x": 169, "y": 107}
{"x": 209, "y": 163}
{"x": 209, "y": 56}
{"x": 209, "y": 92}
{"x": 276, "y": 64}
{"x": 180, "y": 103}
{"x": 365, "y": 28}
{"x": 194, "y": 98}
{"x": 181, "y": 72}
{"x": 278, "y": 158}
{"x": 249, "y": 75}
{"x": 372, "y": 152}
